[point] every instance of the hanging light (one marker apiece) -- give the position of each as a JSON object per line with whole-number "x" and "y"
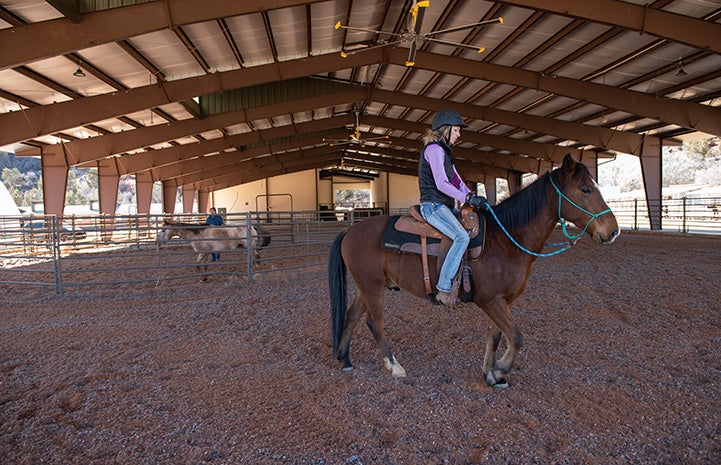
{"x": 79, "y": 72}
{"x": 680, "y": 72}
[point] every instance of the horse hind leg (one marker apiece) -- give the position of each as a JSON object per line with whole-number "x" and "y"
{"x": 355, "y": 311}
{"x": 374, "y": 321}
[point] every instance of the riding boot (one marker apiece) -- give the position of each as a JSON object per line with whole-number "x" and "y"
{"x": 450, "y": 299}
{"x": 447, "y": 298}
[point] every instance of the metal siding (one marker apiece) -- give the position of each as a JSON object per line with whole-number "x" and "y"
{"x": 267, "y": 94}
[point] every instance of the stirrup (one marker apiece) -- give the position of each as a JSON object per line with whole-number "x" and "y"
{"x": 446, "y": 299}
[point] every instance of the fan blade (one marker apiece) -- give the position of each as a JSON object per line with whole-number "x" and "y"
{"x": 456, "y": 44}
{"x": 371, "y": 139}
{"x": 467, "y": 26}
{"x": 411, "y": 61}
{"x": 338, "y": 25}
{"x": 345, "y": 54}
{"x": 416, "y": 29}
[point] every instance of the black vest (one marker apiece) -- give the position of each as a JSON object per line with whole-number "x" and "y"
{"x": 426, "y": 183}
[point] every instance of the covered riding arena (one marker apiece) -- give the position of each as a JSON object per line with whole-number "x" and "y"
{"x": 113, "y": 352}
{"x": 619, "y": 365}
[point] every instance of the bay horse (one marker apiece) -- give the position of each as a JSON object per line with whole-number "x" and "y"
{"x": 499, "y": 276}
{"x": 206, "y": 239}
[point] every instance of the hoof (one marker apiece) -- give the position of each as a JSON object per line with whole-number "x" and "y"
{"x": 494, "y": 381}
{"x": 347, "y": 369}
{"x": 397, "y": 371}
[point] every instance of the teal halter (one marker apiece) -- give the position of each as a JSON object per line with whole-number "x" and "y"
{"x": 564, "y": 245}
{"x": 593, "y": 216}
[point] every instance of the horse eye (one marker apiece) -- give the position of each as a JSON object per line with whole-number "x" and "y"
{"x": 586, "y": 190}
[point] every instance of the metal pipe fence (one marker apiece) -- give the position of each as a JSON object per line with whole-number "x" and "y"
{"x": 72, "y": 252}
{"x": 683, "y": 215}
{"x": 61, "y": 253}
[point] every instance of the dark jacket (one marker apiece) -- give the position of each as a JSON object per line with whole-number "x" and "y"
{"x": 426, "y": 183}
{"x": 214, "y": 220}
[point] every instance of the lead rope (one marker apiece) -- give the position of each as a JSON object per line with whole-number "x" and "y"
{"x": 563, "y": 245}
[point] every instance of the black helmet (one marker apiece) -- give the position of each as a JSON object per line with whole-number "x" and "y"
{"x": 447, "y": 117}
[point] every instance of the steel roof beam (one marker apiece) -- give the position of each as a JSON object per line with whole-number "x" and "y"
{"x": 130, "y": 164}
{"x": 42, "y": 120}
{"x": 46, "y": 39}
{"x": 678, "y": 28}
{"x": 96, "y": 148}
{"x": 621, "y": 141}
{"x": 690, "y": 115}
{"x": 201, "y": 164}
{"x": 226, "y": 173}
{"x": 49, "y": 119}
{"x": 549, "y": 152}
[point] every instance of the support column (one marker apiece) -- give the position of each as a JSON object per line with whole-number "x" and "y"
{"x": 143, "y": 192}
{"x": 203, "y": 199}
{"x": 143, "y": 198}
{"x": 491, "y": 192}
{"x": 108, "y": 180}
{"x": 590, "y": 159}
{"x": 170, "y": 192}
{"x": 514, "y": 181}
{"x": 188, "y": 198}
{"x": 54, "y": 171}
{"x": 651, "y": 167}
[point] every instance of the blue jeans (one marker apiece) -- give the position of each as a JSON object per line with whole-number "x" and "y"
{"x": 444, "y": 220}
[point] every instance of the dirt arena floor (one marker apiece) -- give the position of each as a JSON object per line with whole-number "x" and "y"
{"x": 621, "y": 365}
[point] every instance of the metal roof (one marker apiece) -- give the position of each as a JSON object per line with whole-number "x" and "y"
{"x": 215, "y": 93}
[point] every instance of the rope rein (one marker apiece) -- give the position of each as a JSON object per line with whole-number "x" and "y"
{"x": 563, "y": 246}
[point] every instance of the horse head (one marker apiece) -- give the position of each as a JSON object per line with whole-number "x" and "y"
{"x": 580, "y": 201}
{"x": 167, "y": 232}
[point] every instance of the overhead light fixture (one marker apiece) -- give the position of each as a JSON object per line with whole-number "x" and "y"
{"x": 79, "y": 72}
{"x": 680, "y": 72}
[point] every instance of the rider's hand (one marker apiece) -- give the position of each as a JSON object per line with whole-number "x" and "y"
{"x": 477, "y": 201}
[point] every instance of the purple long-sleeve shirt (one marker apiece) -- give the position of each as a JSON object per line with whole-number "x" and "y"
{"x": 456, "y": 188}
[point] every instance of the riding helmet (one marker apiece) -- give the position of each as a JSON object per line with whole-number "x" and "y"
{"x": 447, "y": 117}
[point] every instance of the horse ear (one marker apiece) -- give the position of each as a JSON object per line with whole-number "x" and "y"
{"x": 568, "y": 163}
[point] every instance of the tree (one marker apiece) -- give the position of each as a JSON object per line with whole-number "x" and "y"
{"x": 15, "y": 183}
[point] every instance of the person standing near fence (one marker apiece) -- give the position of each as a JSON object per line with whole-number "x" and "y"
{"x": 214, "y": 219}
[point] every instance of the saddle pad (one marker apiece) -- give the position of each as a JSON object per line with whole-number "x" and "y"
{"x": 401, "y": 241}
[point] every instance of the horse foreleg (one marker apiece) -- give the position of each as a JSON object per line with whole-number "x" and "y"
{"x": 202, "y": 266}
{"x": 493, "y": 339}
{"x": 503, "y": 323}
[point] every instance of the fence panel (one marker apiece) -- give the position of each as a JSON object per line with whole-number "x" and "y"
{"x": 72, "y": 252}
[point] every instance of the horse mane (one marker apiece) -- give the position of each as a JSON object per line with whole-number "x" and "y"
{"x": 521, "y": 208}
{"x": 181, "y": 224}
{"x": 195, "y": 228}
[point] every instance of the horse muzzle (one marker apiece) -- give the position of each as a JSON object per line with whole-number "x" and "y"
{"x": 607, "y": 239}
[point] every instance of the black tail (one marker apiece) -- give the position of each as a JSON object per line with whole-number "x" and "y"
{"x": 338, "y": 289}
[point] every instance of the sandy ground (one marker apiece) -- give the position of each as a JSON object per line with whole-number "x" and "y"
{"x": 621, "y": 365}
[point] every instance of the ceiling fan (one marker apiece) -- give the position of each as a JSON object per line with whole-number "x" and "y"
{"x": 414, "y": 35}
{"x": 355, "y": 138}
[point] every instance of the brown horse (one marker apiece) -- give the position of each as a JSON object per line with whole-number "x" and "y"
{"x": 499, "y": 275}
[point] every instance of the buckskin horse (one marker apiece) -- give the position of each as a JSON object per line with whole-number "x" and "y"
{"x": 206, "y": 239}
{"x": 516, "y": 231}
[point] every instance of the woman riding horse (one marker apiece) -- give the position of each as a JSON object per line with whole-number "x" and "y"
{"x": 517, "y": 230}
